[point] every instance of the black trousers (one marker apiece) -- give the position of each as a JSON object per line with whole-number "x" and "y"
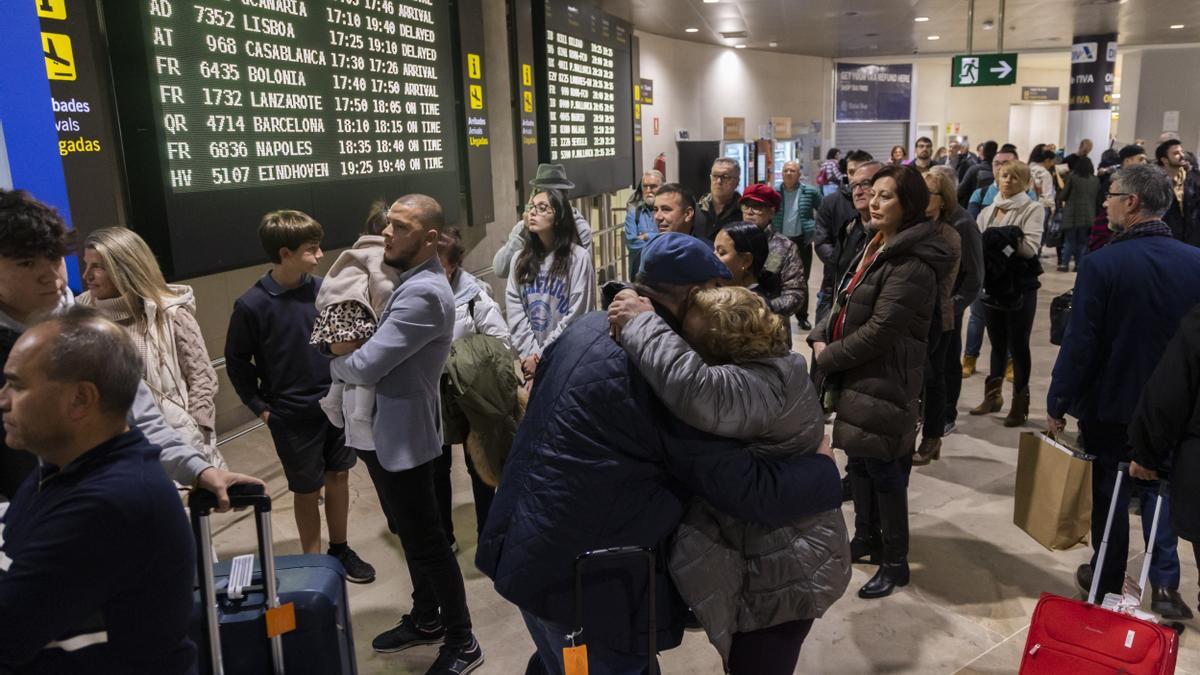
{"x": 409, "y": 503}
{"x": 806, "y": 254}
{"x": 951, "y": 369}
{"x": 1009, "y": 332}
{"x": 770, "y": 651}
{"x": 482, "y": 492}
{"x": 935, "y": 387}
{"x": 886, "y": 476}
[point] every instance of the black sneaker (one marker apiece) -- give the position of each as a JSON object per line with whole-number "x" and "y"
{"x": 1169, "y": 604}
{"x": 457, "y": 660}
{"x": 948, "y": 429}
{"x": 805, "y": 325}
{"x": 407, "y": 634}
{"x": 357, "y": 571}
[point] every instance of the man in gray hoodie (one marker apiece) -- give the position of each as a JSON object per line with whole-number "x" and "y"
{"x": 33, "y": 241}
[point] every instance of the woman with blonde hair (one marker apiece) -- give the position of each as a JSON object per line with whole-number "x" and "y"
{"x": 1012, "y": 230}
{"x": 756, "y": 589}
{"x": 125, "y": 283}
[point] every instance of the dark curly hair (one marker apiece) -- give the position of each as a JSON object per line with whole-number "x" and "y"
{"x": 31, "y": 229}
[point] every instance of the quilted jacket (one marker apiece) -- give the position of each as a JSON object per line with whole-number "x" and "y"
{"x": 738, "y": 576}
{"x": 599, "y": 462}
{"x": 881, "y": 355}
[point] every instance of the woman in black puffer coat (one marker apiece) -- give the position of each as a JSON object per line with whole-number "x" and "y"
{"x": 873, "y": 349}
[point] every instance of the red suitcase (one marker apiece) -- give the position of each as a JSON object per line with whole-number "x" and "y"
{"x": 1071, "y": 637}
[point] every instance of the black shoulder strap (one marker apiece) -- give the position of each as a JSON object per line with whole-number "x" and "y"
{"x": 471, "y": 307}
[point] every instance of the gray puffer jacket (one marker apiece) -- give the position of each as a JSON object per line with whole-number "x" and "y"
{"x": 737, "y": 576}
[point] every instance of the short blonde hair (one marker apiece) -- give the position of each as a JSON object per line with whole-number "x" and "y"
{"x": 942, "y": 183}
{"x": 1018, "y": 169}
{"x": 738, "y": 325}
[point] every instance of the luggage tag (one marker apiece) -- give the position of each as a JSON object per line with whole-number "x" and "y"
{"x": 575, "y": 661}
{"x": 281, "y": 619}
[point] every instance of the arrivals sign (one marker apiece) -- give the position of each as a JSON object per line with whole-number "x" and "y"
{"x": 983, "y": 70}
{"x": 874, "y": 93}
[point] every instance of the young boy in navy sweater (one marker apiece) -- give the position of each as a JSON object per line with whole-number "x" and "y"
{"x": 281, "y": 377}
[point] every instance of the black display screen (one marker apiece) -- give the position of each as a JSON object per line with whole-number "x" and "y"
{"x": 232, "y": 108}
{"x": 585, "y": 122}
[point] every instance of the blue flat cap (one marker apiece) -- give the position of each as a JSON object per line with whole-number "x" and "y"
{"x": 677, "y": 258}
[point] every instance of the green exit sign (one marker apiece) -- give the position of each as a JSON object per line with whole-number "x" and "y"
{"x": 983, "y": 70}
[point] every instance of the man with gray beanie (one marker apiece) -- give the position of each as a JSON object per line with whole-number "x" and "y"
{"x": 599, "y": 462}
{"x": 1129, "y": 299}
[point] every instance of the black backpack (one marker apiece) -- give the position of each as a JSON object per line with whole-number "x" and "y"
{"x": 1006, "y": 275}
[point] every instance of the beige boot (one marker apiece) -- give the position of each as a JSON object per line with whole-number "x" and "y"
{"x": 968, "y": 366}
{"x": 993, "y": 397}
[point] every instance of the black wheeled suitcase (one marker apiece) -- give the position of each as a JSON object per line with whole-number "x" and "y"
{"x": 229, "y": 619}
{"x": 593, "y": 557}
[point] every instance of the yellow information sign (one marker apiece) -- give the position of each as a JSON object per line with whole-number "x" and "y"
{"x": 474, "y": 69}
{"x": 526, "y": 75}
{"x": 51, "y": 9}
{"x": 476, "y": 97}
{"x": 528, "y": 97}
{"x": 60, "y": 59}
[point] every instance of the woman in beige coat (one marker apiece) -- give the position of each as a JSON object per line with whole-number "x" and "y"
{"x": 125, "y": 283}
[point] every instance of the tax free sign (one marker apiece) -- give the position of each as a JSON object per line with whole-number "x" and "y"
{"x": 983, "y": 70}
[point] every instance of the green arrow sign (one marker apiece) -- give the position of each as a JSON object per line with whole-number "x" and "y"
{"x": 983, "y": 70}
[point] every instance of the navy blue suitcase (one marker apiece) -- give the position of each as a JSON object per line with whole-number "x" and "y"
{"x": 321, "y": 644}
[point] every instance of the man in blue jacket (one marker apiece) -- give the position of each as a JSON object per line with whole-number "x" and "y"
{"x": 403, "y": 360}
{"x": 1129, "y": 299}
{"x": 96, "y": 555}
{"x": 599, "y": 462}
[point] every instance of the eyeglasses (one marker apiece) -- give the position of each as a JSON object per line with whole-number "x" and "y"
{"x": 861, "y": 185}
{"x": 754, "y": 206}
{"x": 1118, "y": 194}
{"x": 540, "y": 208}
{"x": 722, "y": 178}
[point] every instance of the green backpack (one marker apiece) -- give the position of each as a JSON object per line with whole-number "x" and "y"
{"x": 480, "y": 402}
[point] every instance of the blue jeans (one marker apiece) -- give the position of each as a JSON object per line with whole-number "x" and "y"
{"x": 551, "y": 638}
{"x": 1107, "y": 442}
{"x": 975, "y": 327}
{"x": 1075, "y": 243}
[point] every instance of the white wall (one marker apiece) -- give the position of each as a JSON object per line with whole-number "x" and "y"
{"x": 981, "y": 113}
{"x": 696, "y": 85}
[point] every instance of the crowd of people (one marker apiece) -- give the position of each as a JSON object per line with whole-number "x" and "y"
{"x": 720, "y": 465}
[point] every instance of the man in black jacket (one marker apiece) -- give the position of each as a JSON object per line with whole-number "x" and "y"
{"x": 1184, "y": 214}
{"x": 835, "y": 211}
{"x": 599, "y": 462}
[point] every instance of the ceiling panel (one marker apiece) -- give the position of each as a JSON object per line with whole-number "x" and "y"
{"x": 863, "y": 28}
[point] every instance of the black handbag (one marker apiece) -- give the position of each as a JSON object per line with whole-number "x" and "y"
{"x": 1060, "y": 314}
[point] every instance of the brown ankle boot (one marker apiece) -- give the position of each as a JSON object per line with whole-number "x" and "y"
{"x": 1019, "y": 412}
{"x": 931, "y": 449}
{"x": 993, "y": 397}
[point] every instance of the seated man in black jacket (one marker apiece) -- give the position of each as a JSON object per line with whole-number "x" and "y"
{"x": 96, "y": 556}
{"x": 599, "y": 462}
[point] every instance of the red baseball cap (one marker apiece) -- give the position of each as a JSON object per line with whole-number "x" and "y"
{"x": 763, "y": 194}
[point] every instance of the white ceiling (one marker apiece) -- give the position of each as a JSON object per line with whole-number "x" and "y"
{"x": 857, "y": 28}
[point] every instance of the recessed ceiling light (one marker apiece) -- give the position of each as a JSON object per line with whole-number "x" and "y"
{"x": 1176, "y": 26}
{"x": 711, "y": 2}
{"x": 921, "y": 19}
{"x": 772, "y": 44}
{"x": 934, "y": 37}
{"x": 739, "y": 46}
{"x": 691, "y": 30}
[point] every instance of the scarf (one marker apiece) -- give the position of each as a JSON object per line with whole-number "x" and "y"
{"x": 1149, "y": 228}
{"x": 1009, "y": 204}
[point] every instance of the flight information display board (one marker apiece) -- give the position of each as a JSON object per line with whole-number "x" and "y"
{"x": 245, "y": 106}
{"x": 586, "y": 122}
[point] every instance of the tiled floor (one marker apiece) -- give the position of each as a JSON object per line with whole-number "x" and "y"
{"x": 976, "y": 577}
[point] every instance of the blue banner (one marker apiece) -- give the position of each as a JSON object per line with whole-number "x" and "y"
{"x": 870, "y": 93}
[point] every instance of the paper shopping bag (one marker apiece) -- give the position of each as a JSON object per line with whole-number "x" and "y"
{"x": 1053, "y": 500}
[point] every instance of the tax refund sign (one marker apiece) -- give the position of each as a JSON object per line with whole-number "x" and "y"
{"x": 983, "y": 70}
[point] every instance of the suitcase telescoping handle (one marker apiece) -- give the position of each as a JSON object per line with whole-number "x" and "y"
{"x": 201, "y": 503}
{"x": 1122, "y": 469}
{"x": 581, "y": 562}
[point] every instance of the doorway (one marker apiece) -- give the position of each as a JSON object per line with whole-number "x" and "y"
{"x": 1030, "y": 124}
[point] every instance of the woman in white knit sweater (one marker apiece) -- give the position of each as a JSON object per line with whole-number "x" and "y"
{"x": 1010, "y": 325}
